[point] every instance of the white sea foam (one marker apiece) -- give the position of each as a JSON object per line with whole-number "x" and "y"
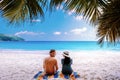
{"x": 91, "y": 65}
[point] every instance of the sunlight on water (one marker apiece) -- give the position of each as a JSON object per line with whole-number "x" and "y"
{"x": 58, "y": 45}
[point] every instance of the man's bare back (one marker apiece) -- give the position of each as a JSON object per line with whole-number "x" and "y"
{"x": 50, "y": 64}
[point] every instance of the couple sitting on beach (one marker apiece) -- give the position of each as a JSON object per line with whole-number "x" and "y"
{"x": 50, "y": 64}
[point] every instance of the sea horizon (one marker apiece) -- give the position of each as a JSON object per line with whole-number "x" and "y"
{"x": 58, "y": 45}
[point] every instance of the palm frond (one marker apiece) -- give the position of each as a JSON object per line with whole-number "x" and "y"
{"x": 109, "y": 23}
{"x": 90, "y": 9}
{"x": 55, "y": 3}
{"x": 19, "y": 10}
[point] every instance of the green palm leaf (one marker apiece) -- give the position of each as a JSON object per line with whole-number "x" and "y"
{"x": 109, "y": 23}
{"x": 104, "y": 13}
{"x": 16, "y": 10}
{"x": 90, "y": 9}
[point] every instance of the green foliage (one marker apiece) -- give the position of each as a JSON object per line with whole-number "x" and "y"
{"x": 104, "y": 13}
{"x": 90, "y": 9}
{"x": 109, "y": 23}
{"x": 20, "y": 10}
{"x": 10, "y": 38}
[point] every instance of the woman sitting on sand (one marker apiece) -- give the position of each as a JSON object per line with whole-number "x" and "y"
{"x": 66, "y": 64}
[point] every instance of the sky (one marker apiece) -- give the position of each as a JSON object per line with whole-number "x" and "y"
{"x": 56, "y": 26}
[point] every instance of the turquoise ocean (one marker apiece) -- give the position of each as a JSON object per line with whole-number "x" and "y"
{"x": 58, "y": 45}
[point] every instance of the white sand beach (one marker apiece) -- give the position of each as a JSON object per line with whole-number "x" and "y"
{"x": 92, "y": 65}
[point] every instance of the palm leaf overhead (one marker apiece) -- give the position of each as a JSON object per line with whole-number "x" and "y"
{"x": 109, "y": 23}
{"x": 103, "y": 12}
{"x": 90, "y": 9}
{"x": 16, "y": 10}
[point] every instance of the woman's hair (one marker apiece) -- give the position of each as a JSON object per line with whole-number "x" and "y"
{"x": 67, "y": 60}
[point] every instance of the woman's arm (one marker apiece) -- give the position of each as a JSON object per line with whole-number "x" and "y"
{"x": 62, "y": 61}
{"x": 71, "y": 61}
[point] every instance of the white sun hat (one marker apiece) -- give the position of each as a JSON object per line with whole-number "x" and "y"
{"x": 66, "y": 54}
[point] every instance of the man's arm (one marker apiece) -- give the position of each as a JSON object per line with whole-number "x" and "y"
{"x": 44, "y": 64}
{"x": 56, "y": 65}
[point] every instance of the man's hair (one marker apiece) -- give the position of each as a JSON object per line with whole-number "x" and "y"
{"x": 52, "y": 50}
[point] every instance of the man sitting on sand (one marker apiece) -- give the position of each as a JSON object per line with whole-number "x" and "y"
{"x": 50, "y": 63}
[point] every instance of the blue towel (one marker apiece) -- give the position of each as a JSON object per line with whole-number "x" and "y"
{"x": 56, "y": 75}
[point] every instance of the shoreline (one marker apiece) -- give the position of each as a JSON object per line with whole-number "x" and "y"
{"x": 91, "y": 65}
{"x": 100, "y": 50}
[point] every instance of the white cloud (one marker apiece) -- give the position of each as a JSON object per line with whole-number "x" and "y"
{"x": 78, "y": 18}
{"x": 89, "y": 35}
{"x": 79, "y": 30}
{"x": 71, "y": 12}
{"x": 57, "y": 33}
{"x": 59, "y": 7}
{"x": 36, "y": 20}
{"x": 42, "y": 33}
{"x": 27, "y": 33}
{"x": 65, "y": 33}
